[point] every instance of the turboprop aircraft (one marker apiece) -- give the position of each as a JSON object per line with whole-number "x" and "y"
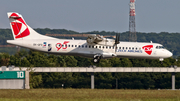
{"x": 96, "y": 46}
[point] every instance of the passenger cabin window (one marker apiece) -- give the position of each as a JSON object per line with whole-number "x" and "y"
{"x": 89, "y": 46}
{"x": 79, "y": 46}
{"x": 119, "y": 47}
{"x": 86, "y": 46}
{"x": 106, "y": 47}
{"x": 72, "y": 45}
{"x": 69, "y": 45}
{"x": 75, "y": 45}
{"x": 129, "y": 47}
{"x": 92, "y": 46}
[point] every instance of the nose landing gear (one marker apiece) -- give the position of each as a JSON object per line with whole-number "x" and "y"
{"x": 161, "y": 60}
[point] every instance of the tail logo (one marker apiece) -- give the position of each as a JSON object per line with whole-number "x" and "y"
{"x": 148, "y": 49}
{"x": 19, "y": 27}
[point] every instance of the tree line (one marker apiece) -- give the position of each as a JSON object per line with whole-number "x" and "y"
{"x": 31, "y": 58}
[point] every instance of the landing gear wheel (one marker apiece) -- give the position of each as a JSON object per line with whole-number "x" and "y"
{"x": 97, "y": 59}
{"x": 161, "y": 59}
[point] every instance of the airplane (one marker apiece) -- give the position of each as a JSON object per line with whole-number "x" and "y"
{"x": 96, "y": 46}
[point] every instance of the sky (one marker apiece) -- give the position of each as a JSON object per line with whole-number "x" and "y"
{"x": 95, "y": 15}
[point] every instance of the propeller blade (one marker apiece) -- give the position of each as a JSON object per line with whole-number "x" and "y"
{"x": 119, "y": 38}
{"x": 117, "y": 41}
{"x": 116, "y": 38}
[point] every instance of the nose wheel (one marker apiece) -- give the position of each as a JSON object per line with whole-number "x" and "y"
{"x": 161, "y": 60}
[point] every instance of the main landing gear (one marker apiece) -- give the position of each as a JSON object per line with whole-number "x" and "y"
{"x": 97, "y": 58}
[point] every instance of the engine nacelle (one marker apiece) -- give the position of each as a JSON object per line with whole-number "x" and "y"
{"x": 93, "y": 38}
{"x": 90, "y": 40}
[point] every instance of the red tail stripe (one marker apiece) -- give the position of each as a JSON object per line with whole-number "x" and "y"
{"x": 16, "y": 27}
{"x": 23, "y": 34}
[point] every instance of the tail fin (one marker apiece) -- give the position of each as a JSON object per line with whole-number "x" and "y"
{"x": 20, "y": 29}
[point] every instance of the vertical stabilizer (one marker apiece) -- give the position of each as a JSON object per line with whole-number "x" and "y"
{"x": 21, "y": 30}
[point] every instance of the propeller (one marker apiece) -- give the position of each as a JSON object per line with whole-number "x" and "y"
{"x": 117, "y": 41}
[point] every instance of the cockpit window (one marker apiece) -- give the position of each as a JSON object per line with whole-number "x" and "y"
{"x": 159, "y": 47}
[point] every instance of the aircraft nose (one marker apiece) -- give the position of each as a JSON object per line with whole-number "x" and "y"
{"x": 170, "y": 54}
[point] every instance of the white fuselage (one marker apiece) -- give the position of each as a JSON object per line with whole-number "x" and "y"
{"x": 82, "y": 48}
{"x": 95, "y": 46}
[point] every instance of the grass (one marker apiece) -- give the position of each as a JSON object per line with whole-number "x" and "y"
{"x": 89, "y": 95}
